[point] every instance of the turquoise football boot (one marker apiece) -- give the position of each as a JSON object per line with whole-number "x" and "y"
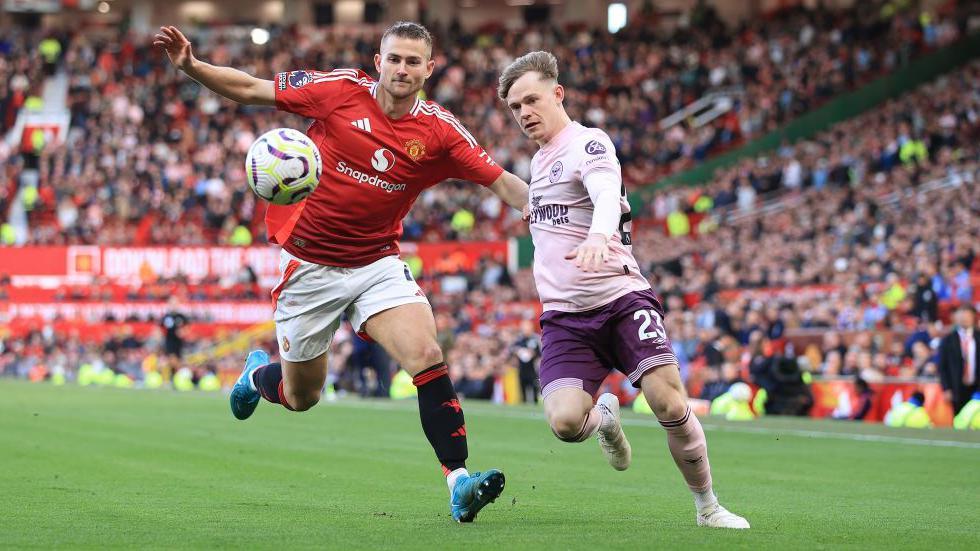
{"x": 243, "y": 398}
{"x": 472, "y": 493}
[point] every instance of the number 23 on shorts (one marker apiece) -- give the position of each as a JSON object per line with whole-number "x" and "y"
{"x": 651, "y": 326}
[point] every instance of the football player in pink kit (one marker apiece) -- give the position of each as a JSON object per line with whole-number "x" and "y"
{"x": 381, "y": 146}
{"x": 599, "y": 311}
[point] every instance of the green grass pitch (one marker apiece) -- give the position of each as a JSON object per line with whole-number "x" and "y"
{"x": 108, "y": 468}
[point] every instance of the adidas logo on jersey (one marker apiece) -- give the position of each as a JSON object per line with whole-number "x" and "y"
{"x": 362, "y": 124}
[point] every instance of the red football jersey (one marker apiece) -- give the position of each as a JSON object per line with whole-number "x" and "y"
{"x": 374, "y": 167}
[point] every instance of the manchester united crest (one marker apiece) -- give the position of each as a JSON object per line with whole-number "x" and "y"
{"x": 415, "y": 149}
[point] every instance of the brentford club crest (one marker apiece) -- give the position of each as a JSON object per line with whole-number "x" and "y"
{"x": 415, "y": 148}
{"x": 285, "y": 344}
{"x": 555, "y": 173}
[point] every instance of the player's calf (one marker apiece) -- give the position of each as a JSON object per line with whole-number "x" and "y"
{"x": 445, "y": 427}
{"x": 442, "y": 417}
{"x": 269, "y": 383}
{"x": 296, "y": 386}
{"x": 689, "y": 448}
{"x": 299, "y": 399}
{"x": 664, "y": 392}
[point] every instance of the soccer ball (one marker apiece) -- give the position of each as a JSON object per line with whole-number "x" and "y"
{"x": 283, "y": 166}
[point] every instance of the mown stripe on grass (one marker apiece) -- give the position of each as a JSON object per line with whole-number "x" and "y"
{"x": 502, "y": 411}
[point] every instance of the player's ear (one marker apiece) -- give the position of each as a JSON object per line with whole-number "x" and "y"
{"x": 559, "y": 93}
{"x": 377, "y": 63}
{"x": 429, "y": 66}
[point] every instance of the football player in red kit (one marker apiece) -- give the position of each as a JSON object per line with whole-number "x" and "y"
{"x": 381, "y": 146}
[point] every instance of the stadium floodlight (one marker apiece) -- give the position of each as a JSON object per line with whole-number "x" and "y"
{"x": 616, "y": 16}
{"x": 260, "y": 36}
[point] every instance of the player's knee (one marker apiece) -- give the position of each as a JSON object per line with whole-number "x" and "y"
{"x": 670, "y": 406}
{"x": 424, "y": 355}
{"x": 431, "y": 354}
{"x": 665, "y": 392}
{"x": 566, "y": 425}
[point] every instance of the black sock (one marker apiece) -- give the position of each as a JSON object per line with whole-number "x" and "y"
{"x": 442, "y": 416}
{"x": 268, "y": 381}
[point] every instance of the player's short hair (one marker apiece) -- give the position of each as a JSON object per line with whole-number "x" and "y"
{"x": 543, "y": 63}
{"x": 410, "y": 30}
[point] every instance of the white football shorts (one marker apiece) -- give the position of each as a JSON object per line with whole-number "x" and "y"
{"x": 310, "y": 299}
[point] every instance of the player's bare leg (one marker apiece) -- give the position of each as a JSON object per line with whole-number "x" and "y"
{"x": 408, "y": 333}
{"x": 665, "y": 393}
{"x": 573, "y": 418}
{"x": 302, "y": 382}
{"x": 294, "y": 385}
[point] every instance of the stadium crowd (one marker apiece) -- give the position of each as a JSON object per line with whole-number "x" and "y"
{"x": 153, "y": 158}
{"x": 888, "y": 299}
{"x": 21, "y": 76}
{"x": 833, "y": 238}
{"x": 843, "y": 196}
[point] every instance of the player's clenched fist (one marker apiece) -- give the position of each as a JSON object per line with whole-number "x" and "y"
{"x": 591, "y": 254}
{"x": 176, "y": 45}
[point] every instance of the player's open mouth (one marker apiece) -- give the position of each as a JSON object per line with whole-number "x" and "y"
{"x": 529, "y": 126}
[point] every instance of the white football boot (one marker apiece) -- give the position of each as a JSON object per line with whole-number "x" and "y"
{"x": 612, "y": 439}
{"x": 717, "y": 516}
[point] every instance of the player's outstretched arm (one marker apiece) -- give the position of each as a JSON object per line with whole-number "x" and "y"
{"x": 511, "y": 189}
{"x": 231, "y": 83}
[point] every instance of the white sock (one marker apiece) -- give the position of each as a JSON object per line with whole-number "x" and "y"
{"x": 705, "y": 500}
{"x": 251, "y": 381}
{"x": 604, "y": 420}
{"x": 452, "y": 477}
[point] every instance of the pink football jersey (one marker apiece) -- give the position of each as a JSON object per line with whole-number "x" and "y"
{"x": 561, "y": 215}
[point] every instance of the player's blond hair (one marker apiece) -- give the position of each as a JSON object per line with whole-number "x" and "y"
{"x": 543, "y": 63}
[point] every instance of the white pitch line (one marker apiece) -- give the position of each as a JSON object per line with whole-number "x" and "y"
{"x": 512, "y": 414}
{"x": 844, "y": 436}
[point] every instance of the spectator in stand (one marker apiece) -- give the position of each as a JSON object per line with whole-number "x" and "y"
{"x": 832, "y": 343}
{"x": 718, "y": 380}
{"x": 787, "y": 394}
{"x": 833, "y": 364}
{"x": 373, "y": 367}
{"x": 527, "y": 350}
{"x": 140, "y": 163}
{"x": 961, "y": 282}
{"x": 844, "y": 226}
{"x": 926, "y": 305}
{"x": 472, "y": 377}
{"x": 959, "y": 358}
{"x": 865, "y": 399}
{"x": 923, "y": 362}
{"x": 173, "y": 323}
